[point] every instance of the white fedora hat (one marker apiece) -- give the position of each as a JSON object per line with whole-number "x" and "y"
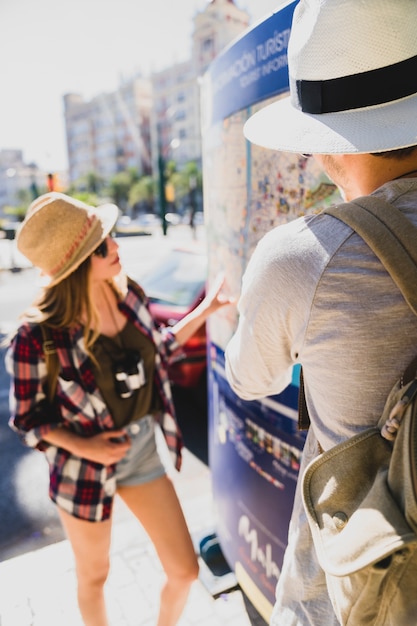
{"x": 353, "y": 80}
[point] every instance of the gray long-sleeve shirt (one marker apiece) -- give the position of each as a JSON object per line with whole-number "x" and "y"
{"x": 314, "y": 293}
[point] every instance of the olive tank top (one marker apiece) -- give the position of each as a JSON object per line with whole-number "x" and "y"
{"x": 130, "y": 346}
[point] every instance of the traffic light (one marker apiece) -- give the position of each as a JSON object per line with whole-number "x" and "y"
{"x": 50, "y": 182}
{"x": 170, "y": 192}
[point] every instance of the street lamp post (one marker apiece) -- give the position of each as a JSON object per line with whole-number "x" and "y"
{"x": 161, "y": 189}
{"x": 192, "y": 185}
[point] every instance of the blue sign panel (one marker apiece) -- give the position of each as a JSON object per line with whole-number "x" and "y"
{"x": 254, "y": 447}
{"x": 255, "y": 453}
{"x": 254, "y": 68}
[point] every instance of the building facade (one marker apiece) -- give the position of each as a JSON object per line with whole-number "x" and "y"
{"x": 131, "y": 127}
{"x": 146, "y": 118}
{"x": 19, "y": 181}
{"x": 109, "y": 133}
{"x": 175, "y": 128}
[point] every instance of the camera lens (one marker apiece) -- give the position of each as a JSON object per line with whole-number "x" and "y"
{"x": 121, "y": 384}
{"x": 129, "y": 375}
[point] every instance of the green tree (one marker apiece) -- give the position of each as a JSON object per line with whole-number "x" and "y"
{"x": 133, "y": 174}
{"x": 94, "y": 182}
{"x": 119, "y": 187}
{"x": 143, "y": 192}
{"x": 187, "y": 179}
{"x": 24, "y": 198}
{"x": 86, "y": 196}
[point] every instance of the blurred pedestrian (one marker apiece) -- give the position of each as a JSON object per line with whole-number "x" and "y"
{"x": 97, "y": 428}
{"x": 313, "y": 292}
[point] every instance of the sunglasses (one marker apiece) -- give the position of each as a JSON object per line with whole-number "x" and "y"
{"x": 102, "y": 250}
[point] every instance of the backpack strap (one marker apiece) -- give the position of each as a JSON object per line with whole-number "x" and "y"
{"x": 303, "y": 416}
{"x": 390, "y": 235}
{"x": 393, "y": 239}
{"x": 51, "y": 360}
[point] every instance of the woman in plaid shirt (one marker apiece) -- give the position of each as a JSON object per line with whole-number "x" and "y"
{"x": 98, "y": 430}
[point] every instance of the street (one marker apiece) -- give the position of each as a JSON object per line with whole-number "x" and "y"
{"x": 28, "y": 518}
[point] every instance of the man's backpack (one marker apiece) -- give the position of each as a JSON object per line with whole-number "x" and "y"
{"x": 361, "y": 495}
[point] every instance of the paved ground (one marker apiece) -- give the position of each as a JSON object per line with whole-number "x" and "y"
{"x": 38, "y": 588}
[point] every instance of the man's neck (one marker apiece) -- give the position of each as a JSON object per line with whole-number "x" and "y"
{"x": 367, "y": 172}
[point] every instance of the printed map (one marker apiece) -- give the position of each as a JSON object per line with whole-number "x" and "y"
{"x": 249, "y": 190}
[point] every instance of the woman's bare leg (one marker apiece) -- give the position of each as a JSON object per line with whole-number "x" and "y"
{"x": 90, "y": 543}
{"x": 156, "y": 506}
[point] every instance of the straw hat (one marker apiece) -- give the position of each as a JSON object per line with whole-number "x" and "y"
{"x": 60, "y": 232}
{"x": 353, "y": 80}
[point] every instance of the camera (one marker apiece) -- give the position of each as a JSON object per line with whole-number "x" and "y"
{"x": 129, "y": 375}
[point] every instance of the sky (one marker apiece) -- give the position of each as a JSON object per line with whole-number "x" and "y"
{"x": 52, "y": 47}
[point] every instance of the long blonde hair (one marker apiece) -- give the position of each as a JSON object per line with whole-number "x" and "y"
{"x": 68, "y": 304}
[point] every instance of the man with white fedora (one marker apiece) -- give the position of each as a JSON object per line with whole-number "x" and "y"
{"x": 314, "y": 293}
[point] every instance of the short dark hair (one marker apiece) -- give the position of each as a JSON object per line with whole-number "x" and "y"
{"x": 400, "y": 153}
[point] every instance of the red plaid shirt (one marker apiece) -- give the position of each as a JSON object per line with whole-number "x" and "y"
{"x": 83, "y": 488}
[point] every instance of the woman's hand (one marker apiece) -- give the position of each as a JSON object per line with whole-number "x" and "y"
{"x": 107, "y": 447}
{"x": 214, "y": 300}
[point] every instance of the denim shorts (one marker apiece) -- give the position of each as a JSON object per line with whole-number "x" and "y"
{"x": 142, "y": 462}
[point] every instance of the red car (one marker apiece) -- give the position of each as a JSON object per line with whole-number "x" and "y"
{"x": 175, "y": 286}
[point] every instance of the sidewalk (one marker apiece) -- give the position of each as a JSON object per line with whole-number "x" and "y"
{"x": 38, "y": 588}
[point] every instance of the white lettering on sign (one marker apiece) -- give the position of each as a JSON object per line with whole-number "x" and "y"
{"x": 257, "y": 553}
{"x": 259, "y": 61}
{"x": 273, "y": 45}
{"x": 275, "y": 64}
{"x": 241, "y": 66}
